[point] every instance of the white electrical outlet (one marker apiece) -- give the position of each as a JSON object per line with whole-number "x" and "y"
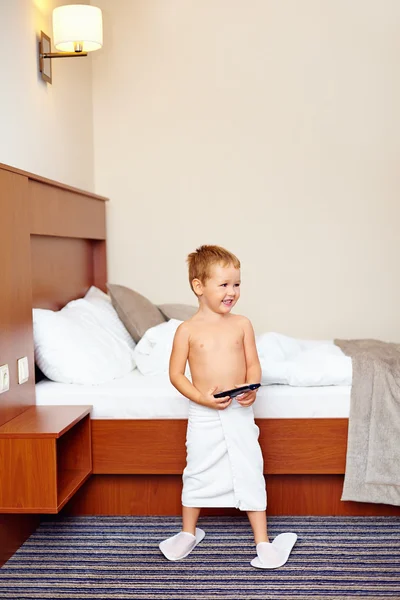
{"x": 23, "y": 370}
{"x": 4, "y": 379}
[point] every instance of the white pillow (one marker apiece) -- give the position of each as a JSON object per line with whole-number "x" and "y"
{"x": 153, "y": 352}
{"x": 95, "y": 293}
{"x": 108, "y": 315}
{"x": 74, "y": 345}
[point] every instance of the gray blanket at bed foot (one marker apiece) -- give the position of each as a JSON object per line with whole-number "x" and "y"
{"x": 373, "y": 447}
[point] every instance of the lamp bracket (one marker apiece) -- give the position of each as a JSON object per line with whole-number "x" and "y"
{"x": 45, "y": 55}
{"x": 61, "y": 54}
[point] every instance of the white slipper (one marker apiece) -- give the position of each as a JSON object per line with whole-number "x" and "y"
{"x": 275, "y": 555}
{"x": 180, "y": 545}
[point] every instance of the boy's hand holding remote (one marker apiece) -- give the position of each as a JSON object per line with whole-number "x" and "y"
{"x": 244, "y": 393}
{"x": 213, "y": 399}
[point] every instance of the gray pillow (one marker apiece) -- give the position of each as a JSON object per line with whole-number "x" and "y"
{"x": 182, "y": 312}
{"x": 136, "y": 312}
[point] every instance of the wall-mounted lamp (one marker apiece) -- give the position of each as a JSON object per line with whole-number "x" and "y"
{"x": 77, "y": 30}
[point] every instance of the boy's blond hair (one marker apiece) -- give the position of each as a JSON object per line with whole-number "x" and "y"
{"x": 204, "y": 257}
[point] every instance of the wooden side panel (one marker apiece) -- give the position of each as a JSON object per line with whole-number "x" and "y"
{"x": 289, "y": 446}
{"x": 14, "y": 530}
{"x": 16, "y": 338}
{"x": 60, "y": 212}
{"x": 100, "y": 264}
{"x": 62, "y": 270}
{"x": 146, "y": 446}
{"x": 161, "y": 495}
{"x": 306, "y": 446}
{"x": 317, "y": 495}
{"x": 128, "y": 495}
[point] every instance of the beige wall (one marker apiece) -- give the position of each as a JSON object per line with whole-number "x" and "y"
{"x": 270, "y": 127}
{"x": 45, "y": 129}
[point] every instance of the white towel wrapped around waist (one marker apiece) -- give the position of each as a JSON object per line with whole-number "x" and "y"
{"x": 224, "y": 460}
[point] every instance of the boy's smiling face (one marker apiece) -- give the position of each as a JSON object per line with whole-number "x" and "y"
{"x": 221, "y": 290}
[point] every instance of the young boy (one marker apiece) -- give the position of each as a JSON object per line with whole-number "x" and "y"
{"x": 224, "y": 461}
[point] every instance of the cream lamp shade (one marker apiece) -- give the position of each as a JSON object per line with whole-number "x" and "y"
{"x": 77, "y": 27}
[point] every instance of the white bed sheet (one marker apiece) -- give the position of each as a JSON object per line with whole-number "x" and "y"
{"x": 137, "y": 396}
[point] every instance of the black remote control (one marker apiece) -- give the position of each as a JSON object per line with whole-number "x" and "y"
{"x": 237, "y": 391}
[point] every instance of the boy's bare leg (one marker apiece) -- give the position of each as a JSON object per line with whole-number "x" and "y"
{"x": 190, "y": 517}
{"x": 258, "y": 522}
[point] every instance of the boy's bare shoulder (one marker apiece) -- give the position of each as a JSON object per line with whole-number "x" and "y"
{"x": 184, "y": 329}
{"x": 242, "y": 320}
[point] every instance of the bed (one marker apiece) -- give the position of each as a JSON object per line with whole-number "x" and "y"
{"x": 138, "y": 396}
{"x": 139, "y": 454}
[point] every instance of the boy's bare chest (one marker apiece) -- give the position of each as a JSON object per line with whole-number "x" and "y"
{"x": 212, "y": 341}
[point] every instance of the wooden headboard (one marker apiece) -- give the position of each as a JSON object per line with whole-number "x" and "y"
{"x": 53, "y": 245}
{"x": 68, "y": 244}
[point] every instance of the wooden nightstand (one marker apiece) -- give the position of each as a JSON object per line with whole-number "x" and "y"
{"x": 45, "y": 456}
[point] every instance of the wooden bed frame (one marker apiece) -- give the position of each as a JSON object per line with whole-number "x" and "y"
{"x": 137, "y": 465}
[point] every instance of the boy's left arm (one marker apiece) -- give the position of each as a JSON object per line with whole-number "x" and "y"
{"x": 253, "y": 367}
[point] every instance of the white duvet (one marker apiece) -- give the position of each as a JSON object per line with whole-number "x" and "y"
{"x": 284, "y": 360}
{"x": 302, "y": 363}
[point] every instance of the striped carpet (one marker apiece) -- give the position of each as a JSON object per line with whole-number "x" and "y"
{"x": 118, "y": 557}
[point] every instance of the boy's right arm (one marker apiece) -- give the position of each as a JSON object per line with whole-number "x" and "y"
{"x": 177, "y": 365}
